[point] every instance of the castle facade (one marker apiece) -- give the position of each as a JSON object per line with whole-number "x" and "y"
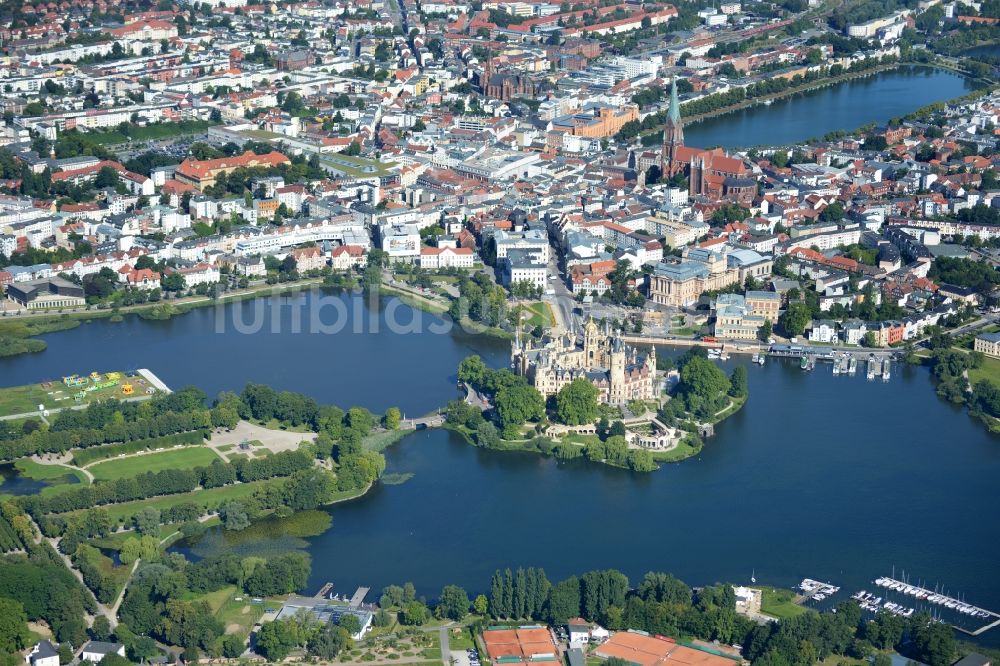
{"x": 604, "y": 360}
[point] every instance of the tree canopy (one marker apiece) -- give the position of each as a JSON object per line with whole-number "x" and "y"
{"x": 576, "y": 403}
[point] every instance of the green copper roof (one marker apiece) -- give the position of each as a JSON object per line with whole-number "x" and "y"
{"x": 675, "y": 106}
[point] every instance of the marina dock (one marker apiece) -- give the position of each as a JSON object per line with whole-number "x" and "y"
{"x": 324, "y": 591}
{"x": 991, "y": 618}
{"x": 359, "y": 597}
{"x": 153, "y": 380}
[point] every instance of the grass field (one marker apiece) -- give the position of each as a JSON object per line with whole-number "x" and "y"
{"x": 842, "y": 660}
{"x": 462, "y": 640}
{"x": 275, "y": 424}
{"x": 152, "y": 132}
{"x": 201, "y": 498}
{"x": 682, "y": 451}
{"x": 990, "y": 370}
{"x": 780, "y": 603}
{"x": 380, "y": 441}
{"x": 55, "y": 395}
{"x": 183, "y": 458}
{"x": 539, "y": 314}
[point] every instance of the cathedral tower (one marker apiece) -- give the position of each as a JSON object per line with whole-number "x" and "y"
{"x": 673, "y": 136}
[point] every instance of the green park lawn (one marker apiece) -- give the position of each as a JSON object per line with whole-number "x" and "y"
{"x": 53, "y": 395}
{"x": 152, "y": 132}
{"x": 990, "y": 370}
{"x": 39, "y": 472}
{"x": 275, "y": 424}
{"x": 539, "y": 314}
{"x": 574, "y": 438}
{"x": 182, "y": 458}
{"x": 461, "y": 640}
{"x": 201, "y": 498}
{"x": 780, "y": 603}
{"x": 682, "y": 451}
{"x": 238, "y": 617}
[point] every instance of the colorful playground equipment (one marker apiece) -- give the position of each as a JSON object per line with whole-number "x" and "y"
{"x": 127, "y": 389}
{"x": 74, "y": 380}
{"x": 95, "y": 380}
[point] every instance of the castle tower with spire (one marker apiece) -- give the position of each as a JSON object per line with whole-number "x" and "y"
{"x": 673, "y": 136}
{"x": 617, "y": 393}
{"x": 592, "y": 340}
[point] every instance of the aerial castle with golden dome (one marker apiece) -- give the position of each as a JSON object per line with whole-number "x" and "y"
{"x": 604, "y": 360}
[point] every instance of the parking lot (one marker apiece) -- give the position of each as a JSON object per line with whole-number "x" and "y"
{"x": 468, "y": 657}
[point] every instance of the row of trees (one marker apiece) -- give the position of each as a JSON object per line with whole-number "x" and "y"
{"x": 662, "y": 604}
{"x": 60, "y": 441}
{"x": 168, "y": 482}
{"x": 520, "y": 594}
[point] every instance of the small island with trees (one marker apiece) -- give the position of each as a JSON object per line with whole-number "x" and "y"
{"x": 503, "y": 411}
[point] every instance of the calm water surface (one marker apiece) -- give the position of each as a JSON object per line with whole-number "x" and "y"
{"x": 846, "y": 106}
{"x": 826, "y": 477}
{"x": 361, "y": 362}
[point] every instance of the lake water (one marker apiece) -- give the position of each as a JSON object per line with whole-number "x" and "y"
{"x": 332, "y": 347}
{"x": 832, "y": 478}
{"x": 12, "y": 483}
{"x": 845, "y": 106}
{"x": 992, "y": 50}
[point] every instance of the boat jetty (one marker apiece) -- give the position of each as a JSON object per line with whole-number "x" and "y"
{"x": 844, "y": 361}
{"x": 934, "y": 597}
{"x": 816, "y": 590}
{"x": 874, "y": 367}
{"x": 870, "y": 602}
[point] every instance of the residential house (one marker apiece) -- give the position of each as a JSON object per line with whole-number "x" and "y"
{"x": 142, "y": 278}
{"x": 43, "y": 654}
{"x": 200, "y": 273}
{"x": 446, "y": 257}
{"x": 345, "y": 257}
{"x": 94, "y": 651}
{"x": 250, "y": 267}
{"x": 823, "y": 330}
{"x": 308, "y": 258}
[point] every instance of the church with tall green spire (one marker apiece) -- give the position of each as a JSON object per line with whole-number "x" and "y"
{"x": 673, "y": 137}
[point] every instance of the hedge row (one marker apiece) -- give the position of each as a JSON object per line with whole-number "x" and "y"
{"x": 60, "y": 441}
{"x": 167, "y": 482}
{"x": 87, "y": 456}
